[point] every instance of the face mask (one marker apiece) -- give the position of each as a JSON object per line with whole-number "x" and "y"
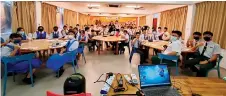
{"x": 40, "y": 29}
{"x": 206, "y": 38}
{"x": 17, "y": 41}
{"x": 70, "y": 36}
{"x": 196, "y": 38}
{"x": 55, "y": 29}
{"x": 21, "y": 32}
{"x": 173, "y": 38}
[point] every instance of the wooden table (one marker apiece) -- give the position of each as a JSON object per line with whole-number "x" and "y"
{"x": 41, "y": 44}
{"x": 108, "y": 39}
{"x": 200, "y": 85}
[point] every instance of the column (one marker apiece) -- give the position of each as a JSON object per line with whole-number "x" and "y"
{"x": 38, "y": 9}
{"x": 138, "y": 21}
{"x": 149, "y": 20}
{"x": 189, "y": 21}
{"x": 77, "y": 18}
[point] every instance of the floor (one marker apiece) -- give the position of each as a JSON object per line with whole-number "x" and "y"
{"x": 94, "y": 67}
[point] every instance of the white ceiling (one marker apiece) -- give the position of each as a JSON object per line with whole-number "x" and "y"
{"x": 150, "y": 7}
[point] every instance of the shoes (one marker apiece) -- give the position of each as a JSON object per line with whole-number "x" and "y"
{"x": 11, "y": 74}
{"x": 61, "y": 71}
{"x": 28, "y": 80}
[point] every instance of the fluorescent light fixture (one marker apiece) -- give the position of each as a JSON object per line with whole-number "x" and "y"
{"x": 132, "y": 6}
{"x": 93, "y": 5}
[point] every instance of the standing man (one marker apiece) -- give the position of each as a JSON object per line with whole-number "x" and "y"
{"x": 166, "y": 35}
{"x": 208, "y": 54}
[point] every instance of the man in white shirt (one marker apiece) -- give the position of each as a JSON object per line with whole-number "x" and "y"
{"x": 166, "y": 35}
{"x": 173, "y": 49}
{"x": 209, "y": 52}
{"x": 144, "y": 35}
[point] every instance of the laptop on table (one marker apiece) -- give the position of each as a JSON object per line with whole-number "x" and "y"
{"x": 155, "y": 80}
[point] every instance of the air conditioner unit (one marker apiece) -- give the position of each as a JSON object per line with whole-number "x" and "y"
{"x": 93, "y": 7}
{"x": 139, "y": 8}
{"x": 114, "y": 5}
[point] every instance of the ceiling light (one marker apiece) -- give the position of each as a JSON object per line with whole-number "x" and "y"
{"x": 130, "y": 6}
{"x": 92, "y": 5}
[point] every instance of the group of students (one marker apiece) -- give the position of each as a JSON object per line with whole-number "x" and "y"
{"x": 206, "y": 51}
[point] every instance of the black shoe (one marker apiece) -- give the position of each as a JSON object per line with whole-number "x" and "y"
{"x": 27, "y": 80}
{"x": 61, "y": 71}
{"x": 11, "y": 74}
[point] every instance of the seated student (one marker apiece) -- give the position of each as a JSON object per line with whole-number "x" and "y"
{"x": 70, "y": 27}
{"x": 3, "y": 42}
{"x": 196, "y": 39}
{"x": 40, "y": 34}
{"x": 144, "y": 35}
{"x": 71, "y": 45}
{"x": 12, "y": 49}
{"x": 208, "y": 54}
{"x": 64, "y": 31}
{"x": 136, "y": 48}
{"x": 124, "y": 43}
{"x": 159, "y": 33}
{"x": 55, "y": 34}
{"x": 20, "y": 31}
{"x": 174, "y": 48}
{"x": 77, "y": 33}
{"x": 92, "y": 43}
{"x": 83, "y": 39}
{"x": 166, "y": 35}
{"x": 117, "y": 34}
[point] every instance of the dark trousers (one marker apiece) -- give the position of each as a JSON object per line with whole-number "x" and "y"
{"x": 146, "y": 52}
{"x": 137, "y": 50}
{"x": 92, "y": 44}
{"x": 202, "y": 71}
{"x": 113, "y": 45}
{"x": 107, "y": 44}
{"x": 121, "y": 46}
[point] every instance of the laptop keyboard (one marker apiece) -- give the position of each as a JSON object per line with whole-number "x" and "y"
{"x": 161, "y": 92}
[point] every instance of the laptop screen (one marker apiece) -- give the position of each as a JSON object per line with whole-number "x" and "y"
{"x": 153, "y": 75}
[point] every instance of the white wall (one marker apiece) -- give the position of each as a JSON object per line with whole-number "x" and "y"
{"x": 189, "y": 21}
{"x": 149, "y": 20}
{"x": 38, "y": 9}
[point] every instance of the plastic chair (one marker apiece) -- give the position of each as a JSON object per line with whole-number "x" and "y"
{"x": 168, "y": 57}
{"x": 48, "y": 93}
{"x": 81, "y": 51}
{"x": 7, "y": 60}
{"x": 217, "y": 67}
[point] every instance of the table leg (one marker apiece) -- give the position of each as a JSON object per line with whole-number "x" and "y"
{"x": 116, "y": 48}
{"x": 98, "y": 47}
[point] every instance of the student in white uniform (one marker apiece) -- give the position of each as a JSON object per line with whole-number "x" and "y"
{"x": 208, "y": 51}
{"x": 55, "y": 34}
{"x": 64, "y": 31}
{"x": 166, "y": 35}
{"x": 124, "y": 43}
{"x": 144, "y": 35}
{"x": 20, "y": 31}
{"x": 71, "y": 45}
{"x": 174, "y": 48}
{"x": 117, "y": 25}
{"x": 40, "y": 34}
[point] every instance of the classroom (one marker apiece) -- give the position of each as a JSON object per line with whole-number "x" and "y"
{"x": 113, "y": 48}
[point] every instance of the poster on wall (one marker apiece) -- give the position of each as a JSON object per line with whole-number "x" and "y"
{"x": 6, "y": 17}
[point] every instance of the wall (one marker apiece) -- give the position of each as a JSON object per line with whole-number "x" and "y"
{"x": 149, "y": 20}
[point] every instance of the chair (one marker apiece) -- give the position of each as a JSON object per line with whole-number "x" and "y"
{"x": 48, "y": 93}
{"x": 217, "y": 67}
{"x": 7, "y": 60}
{"x": 81, "y": 51}
{"x": 168, "y": 57}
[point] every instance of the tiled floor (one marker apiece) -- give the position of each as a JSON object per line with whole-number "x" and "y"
{"x": 95, "y": 66}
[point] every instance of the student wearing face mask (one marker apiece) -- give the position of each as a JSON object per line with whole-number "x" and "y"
{"x": 55, "y": 34}
{"x": 196, "y": 39}
{"x": 13, "y": 49}
{"x": 166, "y": 35}
{"x": 20, "y": 31}
{"x": 64, "y": 31}
{"x": 40, "y": 34}
{"x": 208, "y": 54}
{"x": 174, "y": 48}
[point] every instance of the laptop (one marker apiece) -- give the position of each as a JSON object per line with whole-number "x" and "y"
{"x": 155, "y": 80}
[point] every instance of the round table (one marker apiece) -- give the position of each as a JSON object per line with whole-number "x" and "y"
{"x": 108, "y": 39}
{"x": 41, "y": 44}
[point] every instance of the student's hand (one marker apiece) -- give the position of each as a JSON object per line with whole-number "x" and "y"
{"x": 200, "y": 44}
{"x": 16, "y": 47}
{"x": 203, "y": 62}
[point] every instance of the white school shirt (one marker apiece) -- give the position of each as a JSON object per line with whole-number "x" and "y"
{"x": 6, "y": 51}
{"x": 74, "y": 45}
{"x": 174, "y": 46}
{"x": 64, "y": 32}
{"x": 212, "y": 48}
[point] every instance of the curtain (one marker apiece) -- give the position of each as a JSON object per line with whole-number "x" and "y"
{"x": 211, "y": 16}
{"x": 48, "y": 17}
{"x": 142, "y": 20}
{"x": 23, "y": 15}
{"x": 174, "y": 19}
{"x": 83, "y": 19}
{"x": 70, "y": 17}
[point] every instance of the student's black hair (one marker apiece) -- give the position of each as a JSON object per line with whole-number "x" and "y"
{"x": 137, "y": 33}
{"x": 19, "y": 28}
{"x": 125, "y": 31}
{"x": 166, "y": 28}
{"x": 82, "y": 31}
{"x": 177, "y": 32}
{"x": 71, "y": 31}
{"x": 65, "y": 25}
{"x": 86, "y": 28}
{"x": 55, "y": 27}
{"x": 197, "y": 33}
{"x": 40, "y": 27}
{"x": 117, "y": 30}
{"x": 77, "y": 24}
{"x": 92, "y": 30}
{"x": 14, "y": 35}
{"x": 208, "y": 33}
{"x": 159, "y": 28}
{"x": 92, "y": 25}
{"x": 122, "y": 27}
{"x": 70, "y": 27}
